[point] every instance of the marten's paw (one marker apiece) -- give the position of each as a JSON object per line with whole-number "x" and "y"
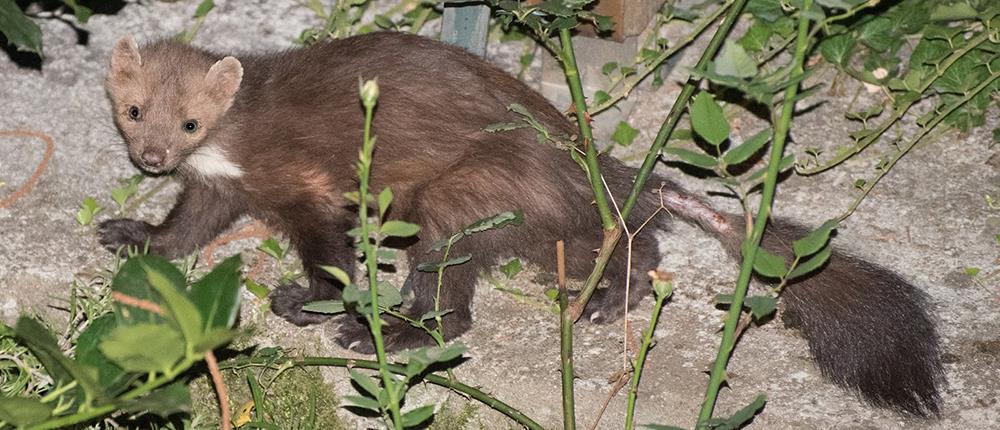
{"x": 355, "y": 335}
{"x": 287, "y": 301}
{"x": 123, "y": 233}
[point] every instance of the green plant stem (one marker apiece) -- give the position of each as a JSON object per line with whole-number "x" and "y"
{"x": 640, "y": 361}
{"x": 752, "y": 244}
{"x": 138, "y": 201}
{"x": 902, "y": 109}
{"x": 566, "y": 320}
{"x": 145, "y": 388}
{"x": 438, "y": 380}
{"x": 371, "y": 262}
{"x": 611, "y": 237}
{"x": 767, "y": 56}
{"x": 630, "y": 84}
{"x": 883, "y": 170}
{"x": 572, "y": 73}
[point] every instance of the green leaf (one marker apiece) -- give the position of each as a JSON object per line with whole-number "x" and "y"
{"x": 624, "y": 134}
{"x": 600, "y": 97}
{"x": 434, "y": 314}
{"x": 171, "y": 399}
{"x": 129, "y": 188}
{"x": 812, "y": 263}
{"x": 815, "y": 240}
{"x": 761, "y": 174}
{"x": 877, "y": 34}
{"x": 43, "y": 344}
{"x": 212, "y": 339}
{"x": 691, "y": 157}
{"x": 504, "y": 126}
{"x": 972, "y": 272}
{"x": 109, "y": 375}
{"x": 81, "y": 12}
{"x": 272, "y": 247}
{"x": 397, "y": 228}
{"x": 22, "y": 412}
{"x": 337, "y": 273}
{"x": 735, "y": 62}
{"x": 388, "y": 296}
{"x": 361, "y": 402}
{"x": 511, "y": 268}
{"x": 144, "y": 347}
{"x": 608, "y": 68}
{"x": 217, "y": 294}
{"x": 417, "y": 415}
{"x": 757, "y": 36}
{"x": 769, "y": 265}
{"x": 955, "y": 11}
{"x": 743, "y": 416}
{"x": 365, "y": 382}
{"x": 178, "y": 305}
{"x": 420, "y": 359}
{"x": 767, "y": 10}
{"x": 748, "y": 148}
{"x": 433, "y": 267}
{"x": 88, "y": 208}
{"x": 20, "y": 31}
{"x": 761, "y": 306}
{"x": 384, "y": 200}
{"x": 258, "y": 290}
{"x": 662, "y": 427}
{"x": 837, "y": 49}
{"x": 204, "y": 8}
{"x": 131, "y": 281}
{"x": 384, "y": 22}
{"x": 325, "y": 306}
{"x": 497, "y": 221}
{"x": 708, "y": 121}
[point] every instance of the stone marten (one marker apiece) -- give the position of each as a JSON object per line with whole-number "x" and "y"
{"x": 275, "y": 136}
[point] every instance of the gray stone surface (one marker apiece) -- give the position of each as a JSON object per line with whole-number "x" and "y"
{"x": 927, "y": 220}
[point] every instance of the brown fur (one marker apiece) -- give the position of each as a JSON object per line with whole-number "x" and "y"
{"x": 285, "y": 136}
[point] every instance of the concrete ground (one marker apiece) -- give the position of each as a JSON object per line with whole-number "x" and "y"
{"x": 928, "y": 220}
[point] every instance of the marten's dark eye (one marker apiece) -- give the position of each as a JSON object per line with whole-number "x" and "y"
{"x": 190, "y": 126}
{"x": 133, "y": 113}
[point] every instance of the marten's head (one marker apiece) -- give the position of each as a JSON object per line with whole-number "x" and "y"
{"x": 167, "y": 97}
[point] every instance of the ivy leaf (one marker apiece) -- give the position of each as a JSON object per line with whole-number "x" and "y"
{"x": 877, "y": 34}
{"x": 624, "y": 134}
{"x": 707, "y": 119}
{"x": 734, "y": 62}
{"x": 837, "y": 49}
{"x": 511, "y": 268}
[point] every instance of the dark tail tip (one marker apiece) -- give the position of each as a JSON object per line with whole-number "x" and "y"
{"x": 870, "y": 332}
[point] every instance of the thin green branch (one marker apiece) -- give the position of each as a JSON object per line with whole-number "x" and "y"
{"x": 902, "y": 109}
{"x": 635, "y": 80}
{"x": 752, "y": 244}
{"x": 572, "y": 73}
{"x": 640, "y": 360}
{"x": 883, "y": 170}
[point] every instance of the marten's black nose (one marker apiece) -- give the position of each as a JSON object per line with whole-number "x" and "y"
{"x": 152, "y": 158}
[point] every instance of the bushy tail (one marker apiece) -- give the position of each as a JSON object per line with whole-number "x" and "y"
{"x": 868, "y": 329}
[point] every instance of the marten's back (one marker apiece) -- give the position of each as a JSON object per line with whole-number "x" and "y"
{"x": 301, "y": 107}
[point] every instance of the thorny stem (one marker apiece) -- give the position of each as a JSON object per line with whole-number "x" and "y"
{"x": 565, "y": 341}
{"x": 611, "y": 237}
{"x": 752, "y": 244}
{"x": 572, "y": 73}
{"x": 438, "y": 380}
{"x": 371, "y": 262}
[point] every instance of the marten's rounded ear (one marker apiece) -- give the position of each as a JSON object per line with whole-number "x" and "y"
{"x": 125, "y": 58}
{"x": 224, "y": 78}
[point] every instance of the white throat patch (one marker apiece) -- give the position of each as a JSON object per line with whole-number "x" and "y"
{"x": 210, "y": 161}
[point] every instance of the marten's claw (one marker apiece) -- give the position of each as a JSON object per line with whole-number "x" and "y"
{"x": 123, "y": 233}
{"x": 287, "y": 301}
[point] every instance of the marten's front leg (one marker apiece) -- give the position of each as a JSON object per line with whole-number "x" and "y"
{"x": 200, "y": 214}
{"x": 322, "y": 241}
